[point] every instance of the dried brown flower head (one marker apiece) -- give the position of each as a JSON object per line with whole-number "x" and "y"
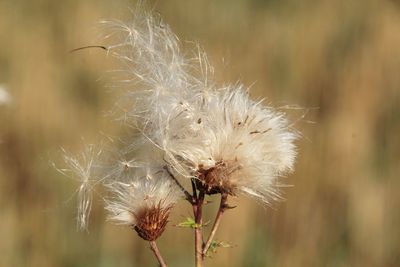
{"x": 217, "y": 179}
{"x": 151, "y": 221}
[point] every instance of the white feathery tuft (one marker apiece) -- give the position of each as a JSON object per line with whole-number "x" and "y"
{"x": 196, "y": 125}
{"x": 187, "y": 125}
{"x": 83, "y": 168}
{"x": 151, "y": 187}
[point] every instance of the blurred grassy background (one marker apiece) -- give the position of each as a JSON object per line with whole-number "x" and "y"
{"x": 340, "y": 56}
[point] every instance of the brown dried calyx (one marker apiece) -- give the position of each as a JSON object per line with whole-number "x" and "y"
{"x": 151, "y": 221}
{"x": 216, "y": 180}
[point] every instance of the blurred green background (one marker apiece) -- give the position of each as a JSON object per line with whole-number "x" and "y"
{"x": 341, "y": 57}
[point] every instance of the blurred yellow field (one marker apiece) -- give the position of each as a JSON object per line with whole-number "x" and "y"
{"x": 338, "y": 61}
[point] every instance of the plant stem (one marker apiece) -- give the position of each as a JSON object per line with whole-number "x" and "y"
{"x": 222, "y": 207}
{"x": 194, "y": 189}
{"x": 188, "y": 196}
{"x": 198, "y": 237}
{"x": 157, "y": 253}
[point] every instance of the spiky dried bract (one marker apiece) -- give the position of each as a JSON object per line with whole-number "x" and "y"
{"x": 144, "y": 203}
{"x": 151, "y": 222}
{"x": 218, "y": 136}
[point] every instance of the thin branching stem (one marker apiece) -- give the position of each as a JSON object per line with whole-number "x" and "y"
{"x": 157, "y": 253}
{"x": 194, "y": 188}
{"x": 198, "y": 236}
{"x": 89, "y": 46}
{"x": 222, "y": 208}
{"x": 188, "y": 196}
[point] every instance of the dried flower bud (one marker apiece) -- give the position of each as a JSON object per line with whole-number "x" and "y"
{"x": 151, "y": 221}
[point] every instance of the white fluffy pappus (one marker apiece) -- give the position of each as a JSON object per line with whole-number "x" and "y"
{"x": 140, "y": 193}
{"x": 84, "y": 169}
{"x": 219, "y": 136}
{"x": 152, "y": 189}
{"x": 150, "y": 59}
{"x": 234, "y": 144}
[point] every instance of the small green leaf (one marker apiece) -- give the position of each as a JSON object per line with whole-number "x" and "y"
{"x": 215, "y": 245}
{"x": 189, "y": 223}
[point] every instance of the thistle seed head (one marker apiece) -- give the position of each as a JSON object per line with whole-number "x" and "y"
{"x": 216, "y": 135}
{"x": 215, "y": 180}
{"x": 151, "y": 221}
{"x": 144, "y": 203}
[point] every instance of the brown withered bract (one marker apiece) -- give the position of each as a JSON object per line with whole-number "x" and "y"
{"x": 151, "y": 221}
{"x": 216, "y": 179}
